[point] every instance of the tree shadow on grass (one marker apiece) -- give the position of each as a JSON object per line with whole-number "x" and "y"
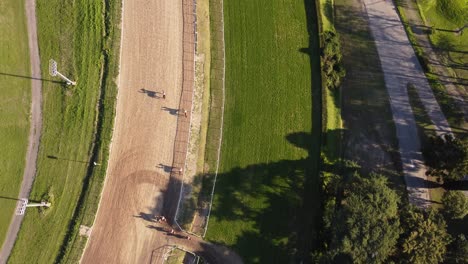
{"x": 270, "y": 198}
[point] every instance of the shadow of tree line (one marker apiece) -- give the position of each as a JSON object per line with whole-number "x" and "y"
{"x": 285, "y": 208}
{"x": 286, "y": 217}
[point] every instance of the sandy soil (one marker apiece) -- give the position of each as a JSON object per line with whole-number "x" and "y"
{"x": 150, "y": 139}
{"x": 144, "y": 133}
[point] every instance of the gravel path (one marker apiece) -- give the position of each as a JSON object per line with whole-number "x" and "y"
{"x": 35, "y": 129}
{"x": 401, "y": 68}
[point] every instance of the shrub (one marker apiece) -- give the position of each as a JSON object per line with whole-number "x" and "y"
{"x": 332, "y": 67}
{"x": 447, "y": 157}
{"x": 455, "y": 204}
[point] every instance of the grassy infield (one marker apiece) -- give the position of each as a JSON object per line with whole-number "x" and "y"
{"x": 77, "y": 35}
{"x": 15, "y": 98}
{"x": 268, "y": 186}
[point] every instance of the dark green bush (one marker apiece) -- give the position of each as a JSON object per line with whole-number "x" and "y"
{"x": 331, "y": 58}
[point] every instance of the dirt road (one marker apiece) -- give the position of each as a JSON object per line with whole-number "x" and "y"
{"x": 145, "y": 147}
{"x": 34, "y": 131}
{"x": 401, "y": 68}
{"x": 144, "y": 132}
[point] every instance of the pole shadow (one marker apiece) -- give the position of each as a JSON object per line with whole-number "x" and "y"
{"x": 9, "y": 198}
{"x": 31, "y": 78}
{"x": 57, "y": 158}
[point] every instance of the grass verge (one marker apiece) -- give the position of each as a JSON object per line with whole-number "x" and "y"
{"x": 77, "y": 126}
{"x": 449, "y": 32}
{"x": 452, "y": 112}
{"x": 176, "y": 256}
{"x": 425, "y": 130}
{"x": 267, "y": 195}
{"x": 15, "y": 100}
{"x": 331, "y": 95}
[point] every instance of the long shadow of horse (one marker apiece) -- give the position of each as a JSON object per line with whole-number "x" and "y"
{"x": 172, "y": 111}
{"x": 152, "y": 94}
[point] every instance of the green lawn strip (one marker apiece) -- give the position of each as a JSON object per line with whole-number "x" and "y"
{"x": 86, "y": 211}
{"x": 454, "y": 115}
{"x": 332, "y": 147}
{"x": 15, "y": 101}
{"x": 216, "y": 87}
{"x": 176, "y": 256}
{"x": 265, "y": 161}
{"x": 203, "y": 182}
{"x": 73, "y": 35}
{"x": 425, "y": 130}
{"x": 446, "y": 16}
{"x": 326, "y": 9}
{"x": 332, "y": 98}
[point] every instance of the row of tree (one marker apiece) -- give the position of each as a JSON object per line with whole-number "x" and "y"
{"x": 372, "y": 225}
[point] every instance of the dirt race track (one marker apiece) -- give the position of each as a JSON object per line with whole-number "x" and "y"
{"x": 144, "y": 132}
{"x": 157, "y": 55}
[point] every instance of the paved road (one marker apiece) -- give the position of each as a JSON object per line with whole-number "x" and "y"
{"x": 35, "y": 129}
{"x": 401, "y": 68}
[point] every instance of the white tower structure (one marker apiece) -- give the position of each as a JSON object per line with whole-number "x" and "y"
{"x": 23, "y": 203}
{"x": 53, "y": 72}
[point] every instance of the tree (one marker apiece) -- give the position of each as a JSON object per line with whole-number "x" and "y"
{"x": 425, "y": 239}
{"x": 366, "y": 228}
{"x": 447, "y": 157}
{"x": 458, "y": 250}
{"x": 455, "y": 204}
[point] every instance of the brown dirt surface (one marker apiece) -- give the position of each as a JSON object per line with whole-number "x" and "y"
{"x": 150, "y": 139}
{"x": 143, "y": 141}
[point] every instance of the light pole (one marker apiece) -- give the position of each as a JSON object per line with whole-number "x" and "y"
{"x": 25, "y": 203}
{"x": 53, "y": 72}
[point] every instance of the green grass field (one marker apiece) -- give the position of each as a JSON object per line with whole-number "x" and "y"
{"x": 267, "y": 194}
{"x": 73, "y": 34}
{"x": 15, "y": 100}
{"x": 446, "y": 17}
